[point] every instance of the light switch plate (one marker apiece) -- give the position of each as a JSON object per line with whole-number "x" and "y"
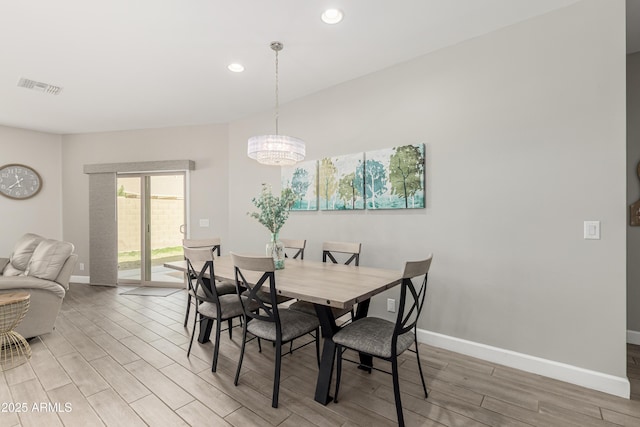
{"x": 592, "y": 230}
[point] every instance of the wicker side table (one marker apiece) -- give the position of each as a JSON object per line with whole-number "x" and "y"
{"x": 14, "y": 349}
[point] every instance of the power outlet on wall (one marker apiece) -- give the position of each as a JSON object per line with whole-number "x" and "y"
{"x": 391, "y": 305}
{"x": 81, "y": 266}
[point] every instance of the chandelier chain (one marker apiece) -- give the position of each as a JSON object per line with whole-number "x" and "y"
{"x": 277, "y": 94}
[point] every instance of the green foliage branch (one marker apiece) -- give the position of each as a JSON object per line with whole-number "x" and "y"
{"x": 273, "y": 211}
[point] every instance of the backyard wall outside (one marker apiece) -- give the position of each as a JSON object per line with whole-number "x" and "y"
{"x": 167, "y": 215}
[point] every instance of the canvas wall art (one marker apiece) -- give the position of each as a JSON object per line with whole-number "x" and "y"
{"x": 341, "y": 183}
{"x": 394, "y": 178}
{"x": 303, "y": 180}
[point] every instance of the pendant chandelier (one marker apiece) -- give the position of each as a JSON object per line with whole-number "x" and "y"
{"x": 278, "y": 150}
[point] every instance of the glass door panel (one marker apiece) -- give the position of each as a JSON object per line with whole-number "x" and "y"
{"x": 166, "y": 215}
{"x": 151, "y": 222}
{"x": 129, "y": 204}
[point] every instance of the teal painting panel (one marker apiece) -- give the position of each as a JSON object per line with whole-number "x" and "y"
{"x": 340, "y": 183}
{"x": 302, "y": 178}
{"x": 394, "y": 178}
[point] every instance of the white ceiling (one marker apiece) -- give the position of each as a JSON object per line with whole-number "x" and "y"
{"x": 138, "y": 64}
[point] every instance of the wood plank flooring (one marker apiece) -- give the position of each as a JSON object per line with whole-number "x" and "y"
{"x": 120, "y": 360}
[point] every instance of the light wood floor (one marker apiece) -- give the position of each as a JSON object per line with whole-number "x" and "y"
{"x": 121, "y": 360}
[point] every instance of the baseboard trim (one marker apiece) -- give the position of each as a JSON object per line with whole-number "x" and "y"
{"x": 633, "y": 337}
{"x": 80, "y": 279}
{"x": 618, "y": 386}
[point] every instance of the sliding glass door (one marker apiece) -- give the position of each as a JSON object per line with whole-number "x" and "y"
{"x": 151, "y": 226}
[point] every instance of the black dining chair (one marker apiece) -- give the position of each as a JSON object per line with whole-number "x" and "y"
{"x": 210, "y": 304}
{"x": 296, "y": 246}
{"x": 223, "y": 288}
{"x": 384, "y": 339}
{"x": 269, "y": 322}
{"x": 336, "y": 252}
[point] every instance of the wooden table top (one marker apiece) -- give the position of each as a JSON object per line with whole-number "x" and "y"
{"x": 13, "y": 297}
{"x": 335, "y": 285}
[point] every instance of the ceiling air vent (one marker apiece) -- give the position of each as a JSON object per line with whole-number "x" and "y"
{"x": 39, "y": 86}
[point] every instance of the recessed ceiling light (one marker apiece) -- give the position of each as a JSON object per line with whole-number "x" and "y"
{"x": 332, "y": 16}
{"x": 236, "y": 68}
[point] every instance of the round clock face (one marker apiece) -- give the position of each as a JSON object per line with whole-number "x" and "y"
{"x": 19, "y": 181}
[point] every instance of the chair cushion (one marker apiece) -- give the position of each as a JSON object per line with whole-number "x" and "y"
{"x": 48, "y": 258}
{"x": 294, "y": 324}
{"x": 308, "y": 308}
{"x": 223, "y": 288}
{"x": 265, "y": 297}
{"x": 22, "y": 253}
{"x": 229, "y": 304}
{"x": 372, "y": 335}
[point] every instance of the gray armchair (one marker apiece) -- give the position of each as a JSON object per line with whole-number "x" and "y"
{"x": 41, "y": 267}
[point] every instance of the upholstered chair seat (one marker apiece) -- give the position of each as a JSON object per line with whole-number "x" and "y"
{"x": 294, "y": 324}
{"x": 373, "y": 336}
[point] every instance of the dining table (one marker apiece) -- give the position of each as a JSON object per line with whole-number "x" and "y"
{"x": 323, "y": 284}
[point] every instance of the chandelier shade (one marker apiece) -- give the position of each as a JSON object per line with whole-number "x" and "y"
{"x": 276, "y": 150}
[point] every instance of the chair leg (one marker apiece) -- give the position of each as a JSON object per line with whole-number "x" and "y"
{"x": 216, "y": 346}
{"x": 244, "y": 341}
{"x": 259, "y": 346}
{"x": 318, "y": 346}
{"x": 396, "y": 390}
{"x": 193, "y": 331}
{"x": 338, "y": 371}
{"x": 230, "y": 323}
{"x": 424, "y": 385}
{"x": 186, "y": 316}
{"x": 276, "y": 376}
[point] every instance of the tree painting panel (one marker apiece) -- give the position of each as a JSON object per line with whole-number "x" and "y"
{"x": 394, "y": 178}
{"x": 340, "y": 183}
{"x": 302, "y": 179}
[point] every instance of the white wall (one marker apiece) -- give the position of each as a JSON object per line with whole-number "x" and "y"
{"x": 525, "y": 139}
{"x": 41, "y": 214}
{"x": 206, "y": 145}
{"x": 633, "y": 195}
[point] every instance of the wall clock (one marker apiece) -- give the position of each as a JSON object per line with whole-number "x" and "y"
{"x": 19, "y": 181}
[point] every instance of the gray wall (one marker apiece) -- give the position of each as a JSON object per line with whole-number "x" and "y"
{"x": 41, "y": 214}
{"x": 206, "y": 145}
{"x": 525, "y": 139}
{"x": 633, "y": 190}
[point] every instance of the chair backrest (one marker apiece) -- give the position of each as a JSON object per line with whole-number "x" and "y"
{"x": 213, "y": 244}
{"x": 195, "y": 257}
{"x": 296, "y": 245}
{"x": 411, "y": 300}
{"x": 266, "y": 283}
{"x": 331, "y": 249}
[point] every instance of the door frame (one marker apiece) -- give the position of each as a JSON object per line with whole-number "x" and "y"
{"x": 145, "y": 225}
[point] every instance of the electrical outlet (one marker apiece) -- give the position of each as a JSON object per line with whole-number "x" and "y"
{"x": 391, "y": 305}
{"x": 81, "y": 265}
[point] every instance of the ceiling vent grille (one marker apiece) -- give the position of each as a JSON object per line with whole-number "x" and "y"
{"x": 39, "y": 86}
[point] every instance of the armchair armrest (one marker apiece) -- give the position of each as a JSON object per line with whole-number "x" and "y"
{"x": 3, "y": 264}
